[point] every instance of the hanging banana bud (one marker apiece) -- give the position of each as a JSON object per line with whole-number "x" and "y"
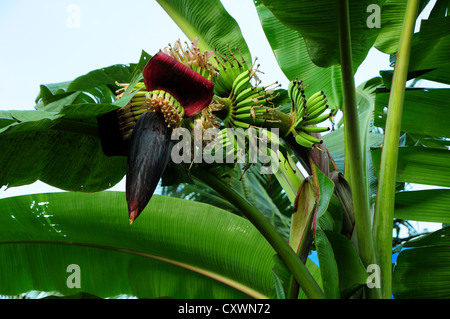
{"x": 150, "y": 148}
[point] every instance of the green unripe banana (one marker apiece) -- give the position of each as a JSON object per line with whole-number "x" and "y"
{"x": 246, "y": 93}
{"x": 316, "y": 106}
{"x": 241, "y": 82}
{"x": 317, "y": 120}
{"x": 317, "y": 112}
{"x": 241, "y": 124}
{"x": 248, "y": 102}
{"x": 291, "y": 87}
{"x": 253, "y": 108}
{"x": 315, "y": 129}
{"x": 308, "y": 137}
{"x": 298, "y": 93}
{"x": 303, "y": 142}
{"x": 313, "y": 99}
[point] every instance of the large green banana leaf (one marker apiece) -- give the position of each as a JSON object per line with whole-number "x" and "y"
{"x": 177, "y": 248}
{"x": 58, "y": 150}
{"x": 420, "y": 165}
{"x": 431, "y": 205}
{"x": 434, "y": 33}
{"x": 292, "y": 56}
{"x": 392, "y": 15}
{"x": 430, "y": 47}
{"x": 208, "y": 21}
{"x": 424, "y": 112}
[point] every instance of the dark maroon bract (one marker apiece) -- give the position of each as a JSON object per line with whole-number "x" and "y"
{"x": 193, "y": 91}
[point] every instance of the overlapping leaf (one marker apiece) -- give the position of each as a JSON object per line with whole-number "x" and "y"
{"x": 264, "y": 193}
{"x": 208, "y": 21}
{"x": 59, "y": 152}
{"x": 423, "y": 271}
{"x": 317, "y": 22}
{"x": 431, "y": 205}
{"x": 420, "y": 165}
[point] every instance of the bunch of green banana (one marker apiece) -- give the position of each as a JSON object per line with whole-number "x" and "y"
{"x": 296, "y": 92}
{"x": 248, "y": 102}
{"x": 307, "y": 114}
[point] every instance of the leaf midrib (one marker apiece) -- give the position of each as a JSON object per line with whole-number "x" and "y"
{"x": 215, "y": 276}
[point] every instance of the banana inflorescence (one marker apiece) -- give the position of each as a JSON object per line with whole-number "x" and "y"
{"x": 240, "y": 101}
{"x": 220, "y": 90}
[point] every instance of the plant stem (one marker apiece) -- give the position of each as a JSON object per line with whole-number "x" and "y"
{"x": 356, "y": 166}
{"x": 384, "y": 212}
{"x": 291, "y": 260}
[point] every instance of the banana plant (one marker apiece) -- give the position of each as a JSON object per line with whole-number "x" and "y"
{"x": 242, "y": 228}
